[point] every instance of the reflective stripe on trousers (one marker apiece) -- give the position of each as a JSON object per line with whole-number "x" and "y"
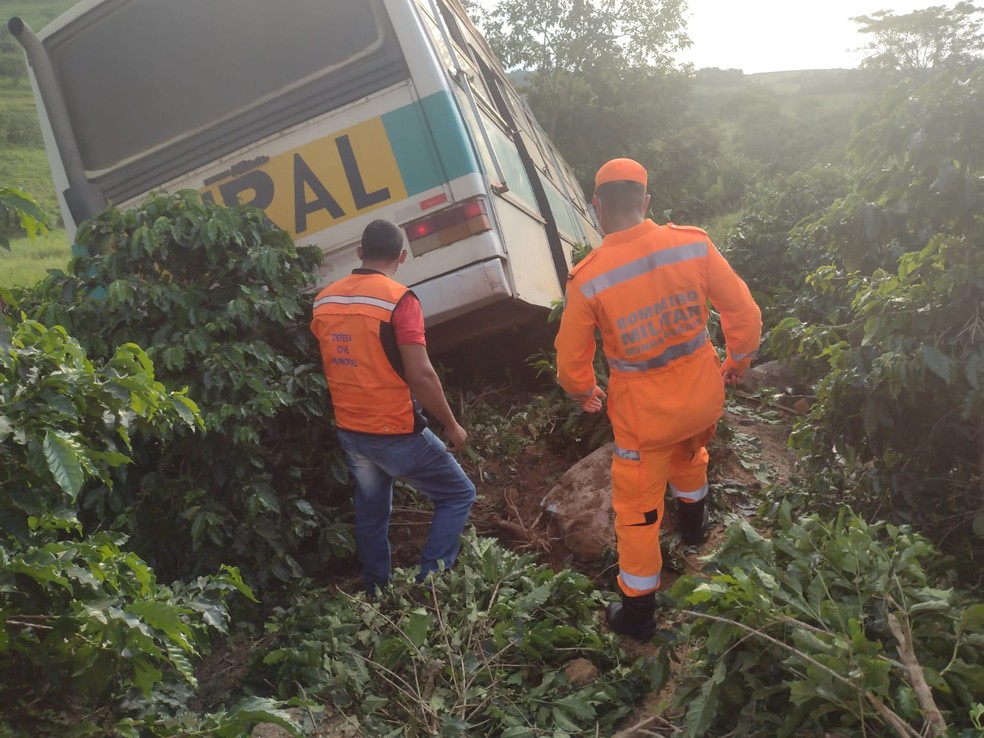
{"x": 640, "y": 583}
{"x": 639, "y": 483}
{"x": 623, "y": 453}
{"x": 695, "y": 496}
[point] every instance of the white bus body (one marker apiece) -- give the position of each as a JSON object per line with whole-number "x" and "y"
{"x": 327, "y": 114}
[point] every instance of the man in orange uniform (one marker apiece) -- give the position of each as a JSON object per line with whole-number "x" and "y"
{"x": 371, "y": 332}
{"x": 646, "y": 289}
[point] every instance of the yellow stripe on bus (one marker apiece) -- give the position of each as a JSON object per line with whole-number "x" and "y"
{"x": 321, "y": 183}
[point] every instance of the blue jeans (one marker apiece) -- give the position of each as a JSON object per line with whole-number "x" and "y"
{"x": 423, "y": 462}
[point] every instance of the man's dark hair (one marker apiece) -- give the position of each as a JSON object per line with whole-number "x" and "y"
{"x": 622, "y": 197}
{"x": 382, "y": 241}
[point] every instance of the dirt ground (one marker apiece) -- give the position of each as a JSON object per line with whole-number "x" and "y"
{"x": 748, "y": 454}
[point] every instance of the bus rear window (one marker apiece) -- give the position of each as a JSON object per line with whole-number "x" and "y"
{"x": 141, "y": 75}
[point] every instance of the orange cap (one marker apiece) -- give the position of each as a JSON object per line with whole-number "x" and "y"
{"x": 621, "y": 170}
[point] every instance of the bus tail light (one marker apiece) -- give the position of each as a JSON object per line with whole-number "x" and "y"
{"x": 444, "y": 227}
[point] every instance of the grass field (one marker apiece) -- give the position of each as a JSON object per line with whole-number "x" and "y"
{"x": 23, "y": 166}
{"x": 27, "y": 168}
{"x": 29, "y": 260}
{"x": 719, "y": 228}
{"x": 36, "y": 13}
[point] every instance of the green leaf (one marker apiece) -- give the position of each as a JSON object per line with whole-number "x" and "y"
{"x": 62, "y": 452}
{"x": 261, "y": 710}
{"x": 418, "y": 626}
{"x": 937, "y": 362}
{"x": 519, "y": 731}
{"x": 145, "y": 675}
{"x": 972, "y": 371}
{"x": 703, "y": 707}
{"x": 972, "y": 619}
{"x": 979, "y": 525}
{"x": 188, "y": 411}
{"x": 165, "y": 617}
{"x": 577, "y": 706}
{"x": 180, "y": 661}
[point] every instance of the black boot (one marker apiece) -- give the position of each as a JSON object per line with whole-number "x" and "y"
{"x": 692, "y": 519}
{"x": 633, "y": 616}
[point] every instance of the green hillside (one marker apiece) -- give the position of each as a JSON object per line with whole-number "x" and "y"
{"x": 36, "y": 13}
{"x": 23, "y": 161}
{"x": 833, "y": 91}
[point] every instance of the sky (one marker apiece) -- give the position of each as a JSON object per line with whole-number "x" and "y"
{"x": 778, "y": 35}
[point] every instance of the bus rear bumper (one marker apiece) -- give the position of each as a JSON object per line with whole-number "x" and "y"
{"x": 462, "y": 291}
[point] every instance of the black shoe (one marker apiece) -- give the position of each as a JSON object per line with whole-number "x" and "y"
{"x": 692, "y": 521}
{"x": 633, "y": 616}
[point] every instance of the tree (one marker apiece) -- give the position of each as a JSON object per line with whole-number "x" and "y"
{"x": 641, "y": 113}
{"x": 771, "y": 245}
{"x": 922, "y": 39}
{"x": 560, "y": 43}
{"x": 601, "y": 80}
{"x": 902, "y": 397}
{"x": 575, "y": 35}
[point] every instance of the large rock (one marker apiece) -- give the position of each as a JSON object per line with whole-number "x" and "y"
{"x": 770, "y": 374}
{"x": 581, "y": 505}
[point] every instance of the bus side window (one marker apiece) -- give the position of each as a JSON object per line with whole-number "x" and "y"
{"x": 526, "y": 130}
{"x": 452, "y": 23}
{"x": 561, "y": 174}
{"x": 462, "y": 53}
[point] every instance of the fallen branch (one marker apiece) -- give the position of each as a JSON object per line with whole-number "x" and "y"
{"x": 924, "y": 695}
{"x": 639, "y": 727}
{"x": 34, "y": 626}
{"x": 903, "y": 729}
{"x": 751, "y": 398}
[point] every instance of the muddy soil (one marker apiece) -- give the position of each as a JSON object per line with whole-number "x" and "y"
{"x": 748, "y": 455}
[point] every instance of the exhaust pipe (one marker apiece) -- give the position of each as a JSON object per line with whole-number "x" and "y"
{"x": 84, "y": 199}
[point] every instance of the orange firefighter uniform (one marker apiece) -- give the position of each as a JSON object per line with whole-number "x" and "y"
{"x": 351, "y": 318}
{"x": 646, "y": 289}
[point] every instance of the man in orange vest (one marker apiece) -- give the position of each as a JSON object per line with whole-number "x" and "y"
{"x": 371, "y": 332}
{"x": 646, "y": 289}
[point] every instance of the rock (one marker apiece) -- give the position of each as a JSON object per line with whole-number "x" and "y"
{"x": 802, "y": 405}
{"x": 581, "y": 505}
{"x": 770, "y": 374}
{"x": 580, "y": 672}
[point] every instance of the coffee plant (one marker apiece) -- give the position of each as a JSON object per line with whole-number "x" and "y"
{"x": 774, "y": 246}
{"x": 837, "y": 627}
{"x": 217, "y": 299}
{"x": 20, "y": 212}
{"x": 898, "y": 349}
{"x": 90, "y": 639}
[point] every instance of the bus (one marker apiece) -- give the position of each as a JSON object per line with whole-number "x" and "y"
{"x": 326, "y": 114}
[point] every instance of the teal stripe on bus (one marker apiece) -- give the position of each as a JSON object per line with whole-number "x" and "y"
{"x": 414, "y": 147}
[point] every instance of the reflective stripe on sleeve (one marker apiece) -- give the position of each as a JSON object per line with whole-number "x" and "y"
{"x": 355, "y": 300}
{"x": 582, "y": 396}
{"x": 637, "y": 582}
{"x": 695, "y": 496}
{"x": 624, "y": 453}
{"x": 670, "y": 354}
{"x": 742, "y": 357}
{"x": 646, "y": 264}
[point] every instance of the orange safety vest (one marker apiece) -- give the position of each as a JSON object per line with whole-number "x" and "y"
{"x": 367, "y": 391}
{"x": 646, "y": 289}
